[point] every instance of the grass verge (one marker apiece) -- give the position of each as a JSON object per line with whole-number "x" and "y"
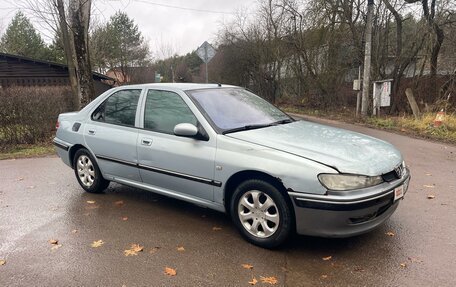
{"x": 407, "y": 124}
{"x": 26, "y": 151}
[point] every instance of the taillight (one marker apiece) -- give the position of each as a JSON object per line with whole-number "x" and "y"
{"x": 57, "y": 125}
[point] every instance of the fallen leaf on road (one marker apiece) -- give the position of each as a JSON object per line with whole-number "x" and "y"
{"x": 180, "y": 248}
{"x": 390, "y": 233}
{"x": 284, "y": 269}
{"x": 134, "y": 249}
{"x": 428, "y": 186}
{"x": 56, "y": 246}
{"x": 324, "y": 276}
{"x": 430, "y": 196}
{"x": 137, "y": 247}
{"x": 153, "y": 250}
{"x": 170, "y": 271}
{"x": 74, "y": 231}
{"x": 428, "y": 174}
{"x": 31, "y": 187}
{"x": 130, "y": 252}
{"x": 97, "y": 243}
{"x": 54, "y": 241}
{"x": 19, "y": 178}
{"x": 119, "y": 203}
{"x": 2, "y": 262}
{"x": 125, "y": 218}
{"x": 253, "y": 281}
{"x": 216, "y": 228}
{"x": 327, "y": 258}
{"x": 403, "y": 265}
{"x": 247, "y": 266}
{"x": 270, "y": 280}
{"x": 90, "y": 201}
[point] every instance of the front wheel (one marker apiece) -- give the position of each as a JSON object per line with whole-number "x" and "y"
{"x": 261, "y": 213}
{"x": 87, "y": 172}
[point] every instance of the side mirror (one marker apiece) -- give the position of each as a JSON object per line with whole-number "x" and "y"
{"x": 185, "y": 130}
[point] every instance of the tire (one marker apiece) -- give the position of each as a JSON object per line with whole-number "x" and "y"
{"x": 88, "y": 173}
{"x": 265, "y": 226}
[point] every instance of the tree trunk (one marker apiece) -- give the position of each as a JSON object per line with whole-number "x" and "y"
{"x": 69, "y": 54}
{"x": 435, "y": 56}
{"x": 80, "y": 18}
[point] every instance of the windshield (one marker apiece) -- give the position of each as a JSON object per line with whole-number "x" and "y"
{"x": 234, "y": 109}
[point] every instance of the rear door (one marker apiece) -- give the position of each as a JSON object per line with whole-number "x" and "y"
{"x": 180, "y": 164}
{"x": 111, "y": 134}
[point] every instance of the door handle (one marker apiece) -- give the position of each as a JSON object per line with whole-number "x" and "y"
{"x": 91, "y": 132}
{"x": 147, "y": 142}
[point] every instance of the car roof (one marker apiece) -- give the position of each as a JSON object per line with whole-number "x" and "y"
{"x": 179, "y": 86}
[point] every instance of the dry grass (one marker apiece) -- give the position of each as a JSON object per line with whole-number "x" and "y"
{"x": 423, "y": 127}
{"x": 26, "y": 151}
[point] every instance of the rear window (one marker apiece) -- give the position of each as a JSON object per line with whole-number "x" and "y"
{"x": 119, "y": 108}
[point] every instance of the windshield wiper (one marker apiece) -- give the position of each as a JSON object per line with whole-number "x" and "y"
{"x": 281, "y": 122}
{"x": 247, "y": 127}
{"x": 257, "y": 126}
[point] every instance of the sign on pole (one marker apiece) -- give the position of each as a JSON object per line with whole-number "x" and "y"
{"x": 206, "y": 52}
{"x": 381, "y": 96}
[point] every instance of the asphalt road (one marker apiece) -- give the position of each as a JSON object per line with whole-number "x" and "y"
{"x": 40, "y": 200}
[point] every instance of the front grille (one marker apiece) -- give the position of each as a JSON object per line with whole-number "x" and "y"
{"x": 390, "y": 176}
{"x": 396, "y": 173}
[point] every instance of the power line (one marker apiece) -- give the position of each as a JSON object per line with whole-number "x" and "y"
{"x": 183, "y": 8}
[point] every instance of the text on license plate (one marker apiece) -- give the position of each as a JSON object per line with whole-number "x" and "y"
{"x": 398, "y": 192}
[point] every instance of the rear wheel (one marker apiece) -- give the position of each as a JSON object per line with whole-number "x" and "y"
{"x": 87, "y": 172}
{"x": 261, "y": 213}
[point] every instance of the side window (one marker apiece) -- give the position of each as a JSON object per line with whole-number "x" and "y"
{"x": 119, "y": 108}
{"x": 164, "y": 110}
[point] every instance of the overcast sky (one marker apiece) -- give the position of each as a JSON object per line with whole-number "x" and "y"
{"x": 183, "y": 28}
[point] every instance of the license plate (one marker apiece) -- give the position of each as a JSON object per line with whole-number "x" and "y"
{"x": 398, "y": 192}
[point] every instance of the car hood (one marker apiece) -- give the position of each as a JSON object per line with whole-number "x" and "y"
{"x": 348, "y": 152}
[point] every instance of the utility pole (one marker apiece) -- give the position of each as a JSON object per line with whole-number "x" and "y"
{"x": 367, "y": 59}
{"x": 172, "y": 73}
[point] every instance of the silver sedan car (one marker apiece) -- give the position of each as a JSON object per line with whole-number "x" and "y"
{"x": 224, "y": 148}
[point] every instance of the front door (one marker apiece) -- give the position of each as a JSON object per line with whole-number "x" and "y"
{"x": 179, "y": 164}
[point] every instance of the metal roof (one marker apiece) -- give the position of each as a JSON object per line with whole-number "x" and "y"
{"x": 48, "y": 63}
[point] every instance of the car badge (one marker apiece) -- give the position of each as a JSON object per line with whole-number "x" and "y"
{"x": 398, "y": 170}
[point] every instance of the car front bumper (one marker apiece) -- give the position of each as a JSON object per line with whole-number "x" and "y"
{"x": 331, "y": 216}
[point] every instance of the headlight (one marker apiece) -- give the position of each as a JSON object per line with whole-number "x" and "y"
{"x": 348, "y": 182}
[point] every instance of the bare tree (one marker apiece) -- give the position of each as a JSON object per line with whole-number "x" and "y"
{"x": 69, "y": 52}
{"x": 71, "y": 20}
{"x": 79, "y": 15}
{"x": 436, "y": 36}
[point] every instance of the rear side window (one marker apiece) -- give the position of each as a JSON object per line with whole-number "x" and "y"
{"x": 119, "y": 108}
{"x": 164, "y": 110}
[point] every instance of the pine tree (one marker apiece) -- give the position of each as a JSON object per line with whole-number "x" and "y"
{"x": 22, "y": 39}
